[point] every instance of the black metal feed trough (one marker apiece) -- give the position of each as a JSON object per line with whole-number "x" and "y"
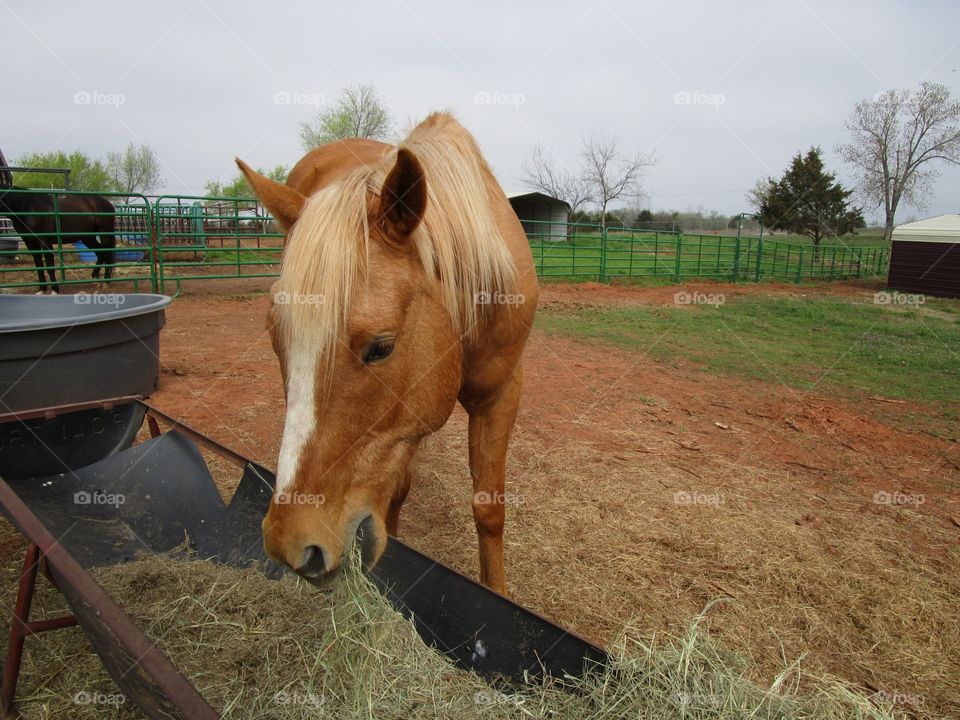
{"x": 169, "y": 493}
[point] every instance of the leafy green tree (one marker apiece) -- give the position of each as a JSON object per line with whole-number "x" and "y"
{"x": 358, "y": 112}
{"x": 86, "y": 173}
{"x": 808, "y": 201}
{"x": 239, "y": 187}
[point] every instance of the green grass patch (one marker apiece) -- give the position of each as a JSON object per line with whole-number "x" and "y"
{"x": 824, "y": 344}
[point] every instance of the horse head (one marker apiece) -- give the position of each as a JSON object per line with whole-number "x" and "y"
{"x": 369, "y": 354}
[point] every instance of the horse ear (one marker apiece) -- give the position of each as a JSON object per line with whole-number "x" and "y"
{"x": 403, "y": 198}
{"x": 283, "y": 202}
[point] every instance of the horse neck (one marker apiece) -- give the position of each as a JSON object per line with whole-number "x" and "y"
{"x": 7, "y": 197}
{"x": 18, "y": 201}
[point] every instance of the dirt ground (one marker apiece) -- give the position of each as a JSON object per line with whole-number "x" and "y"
{"x": 643, "y": 492}
{"x": 220, "y": 374}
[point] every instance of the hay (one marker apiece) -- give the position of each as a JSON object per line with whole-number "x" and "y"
{"x": 263, "y": 649}
{"x": 596, "y": 540}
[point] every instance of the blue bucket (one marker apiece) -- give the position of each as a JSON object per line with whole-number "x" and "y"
{"x": 88, "y": 256}
{"x": 85, "y": 257}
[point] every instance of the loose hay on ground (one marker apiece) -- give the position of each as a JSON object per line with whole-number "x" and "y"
{"x": 596, "y": 538}
{"x": 263, "y": 649}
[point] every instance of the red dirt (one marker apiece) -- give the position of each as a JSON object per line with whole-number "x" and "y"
{"x": 219, "y": 374}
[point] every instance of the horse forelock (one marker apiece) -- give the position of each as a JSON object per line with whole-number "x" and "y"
{"x": 327, "y": 252}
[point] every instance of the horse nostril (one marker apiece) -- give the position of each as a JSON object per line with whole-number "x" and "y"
{"x": 313, "y": 564}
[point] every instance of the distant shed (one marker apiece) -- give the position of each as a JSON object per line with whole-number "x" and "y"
{"x": 926, "y": 257}
{"x": 541, "y": 215}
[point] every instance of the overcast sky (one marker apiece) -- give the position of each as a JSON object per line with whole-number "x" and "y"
{"x": 723, "y": 93}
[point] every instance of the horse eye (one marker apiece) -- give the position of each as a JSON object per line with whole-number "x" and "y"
{"x": 378, "y": 350}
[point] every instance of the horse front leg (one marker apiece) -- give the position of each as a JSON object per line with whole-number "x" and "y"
{"x": 39, "y": 263}
{"x": 95, "y": 273}
{"x": 50, "y": 261}
{"x": 108, "y": 243}
{"x": 490, "y": 426}
{"x": 42, "y": 258}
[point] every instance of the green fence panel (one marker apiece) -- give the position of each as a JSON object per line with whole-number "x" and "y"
{"x": 214, "y": 238}
{"x": 193, "y": 237}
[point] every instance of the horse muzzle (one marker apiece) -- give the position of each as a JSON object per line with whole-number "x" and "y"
{"x": 318, "y": 564}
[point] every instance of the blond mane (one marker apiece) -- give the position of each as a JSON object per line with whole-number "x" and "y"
{"x": 458, "y": 242}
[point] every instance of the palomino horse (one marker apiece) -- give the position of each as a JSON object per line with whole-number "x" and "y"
{"x": 407, "y": 284}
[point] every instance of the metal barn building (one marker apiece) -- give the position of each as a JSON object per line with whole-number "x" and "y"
{"x": 542, "y": 216}
{"x": 926, "y": 257}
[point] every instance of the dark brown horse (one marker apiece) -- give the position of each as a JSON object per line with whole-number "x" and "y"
{"x": 90, "y": 219}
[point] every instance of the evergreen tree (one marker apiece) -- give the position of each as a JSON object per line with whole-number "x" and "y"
{"x": 809, "y": 201}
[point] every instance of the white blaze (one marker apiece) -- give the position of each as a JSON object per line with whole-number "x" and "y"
{"x": 301, "y": 419}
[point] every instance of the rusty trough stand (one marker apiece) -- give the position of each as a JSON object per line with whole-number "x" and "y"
{"x": 138, "y": 667}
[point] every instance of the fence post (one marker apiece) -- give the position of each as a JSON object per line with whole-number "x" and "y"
{"x": 736, "y": 258}
{"x": 676, "y": 268}
{"x": 736, "y": 248}
{"x": 56, "y": 218}
{"x": 157, "y": 241}
{"x": 603, "y": 253}
{"x": 758, "y": 272}
{"x": 800, "y": 266}
{"x": 151, "y": 244}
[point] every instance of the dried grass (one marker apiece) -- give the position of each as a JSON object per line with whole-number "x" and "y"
{"x": 263, "y": 649}
{"x": 596, "y": 539}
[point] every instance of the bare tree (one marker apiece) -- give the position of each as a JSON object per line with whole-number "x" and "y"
{"x": 541, "y": 173}
{"x": 358, "y": 112}
{"x": 136, "y": 170}
{"x": 895, "y": 139}
{"x": 609, "y": 175}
